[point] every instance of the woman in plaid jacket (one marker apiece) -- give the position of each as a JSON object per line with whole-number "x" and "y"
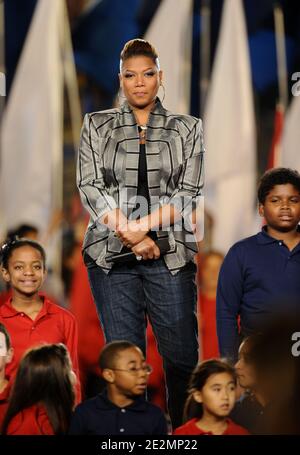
{"x": 140, "y": 176}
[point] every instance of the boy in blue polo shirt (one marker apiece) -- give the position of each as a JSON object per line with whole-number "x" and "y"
{"x": 260, "y": 275}
{"x": 121, "y": 409}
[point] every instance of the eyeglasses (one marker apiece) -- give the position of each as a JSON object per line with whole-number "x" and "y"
{"x": 147, "y": 369}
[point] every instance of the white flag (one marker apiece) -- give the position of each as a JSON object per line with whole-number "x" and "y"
{"x": 170, "y": 32}
{"x": 290, "y": 156}
{"x": 31, "y": 139}
{"x": 229, "y": 134}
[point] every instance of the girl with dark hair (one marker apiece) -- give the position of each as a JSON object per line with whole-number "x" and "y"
{"x": 140, "y": 176}
{"x": 212, "y": 395}
{"x": 29, "y": 317}
{"x": 42, "y": 397}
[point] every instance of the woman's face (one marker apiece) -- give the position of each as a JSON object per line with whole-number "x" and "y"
{"x": 245, "y": 371}
{"x": 140, "y": 80}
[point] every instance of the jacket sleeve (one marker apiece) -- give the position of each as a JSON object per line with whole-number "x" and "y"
{"x": 90, "y": 177}
{"x": 229, "y": 298}
{"x": 191, "y": 179}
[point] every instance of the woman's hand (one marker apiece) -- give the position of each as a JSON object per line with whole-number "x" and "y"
{"x": 147, "y": 248}
{"x": 131, "y": 233}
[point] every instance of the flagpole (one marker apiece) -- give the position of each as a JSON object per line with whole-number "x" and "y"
{"x": 71, "y": 85}
{"x": 205, "y": 15}
{"x": 281, "y": 56}
{"x": 2, "y": 61}
{"x": 71, "y": 81}
{"x": 2, "y": 93}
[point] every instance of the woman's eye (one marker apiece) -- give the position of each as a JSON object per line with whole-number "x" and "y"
{"x": 150, "y": 74}
{"x": 128, "y": 76}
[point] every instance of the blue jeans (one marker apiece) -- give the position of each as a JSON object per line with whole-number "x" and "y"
{"x": 130, "y": 292}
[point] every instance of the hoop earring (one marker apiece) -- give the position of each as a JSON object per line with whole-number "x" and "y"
{"x": 120, "y": 95}
{"x": 164, "y": 91}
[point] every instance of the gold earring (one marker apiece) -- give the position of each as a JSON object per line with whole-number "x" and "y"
{"x": 164, "y": 91}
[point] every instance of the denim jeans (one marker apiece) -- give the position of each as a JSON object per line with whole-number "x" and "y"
{"x": 130, "y": 292}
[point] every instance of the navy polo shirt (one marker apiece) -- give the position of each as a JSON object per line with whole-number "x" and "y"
{"x": 99, "y": 416}
{"x": 259, "y": 277}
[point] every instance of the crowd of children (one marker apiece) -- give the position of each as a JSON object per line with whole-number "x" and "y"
{"x": 40, "y": 390}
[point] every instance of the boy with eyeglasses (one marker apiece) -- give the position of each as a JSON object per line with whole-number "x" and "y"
{"x": 121, "y": 409}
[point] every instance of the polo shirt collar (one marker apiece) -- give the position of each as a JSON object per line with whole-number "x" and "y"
{"x": 264, "y": 238}
{"x": 103, "y": 403}
{"x": 8, "y": 311}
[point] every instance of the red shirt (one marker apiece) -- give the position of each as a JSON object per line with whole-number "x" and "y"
{"x": 4, "y": 402}
{"x": 207, "y": 325}
{"x": 90, "y": 335}
{"x": 190, "y": 428}
{"x": 53, "y": 324}
{"x": 30, "y": 421}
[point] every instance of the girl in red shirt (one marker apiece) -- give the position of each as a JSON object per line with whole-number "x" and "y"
{"x": 30, "y": 318}
{"x": 212, "y": 395}
{"x": 42, "y": 397}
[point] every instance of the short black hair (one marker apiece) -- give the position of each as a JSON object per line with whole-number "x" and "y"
{"x": 137, "y": 47}
{"x": 12, "y": 244}
{"x": 277, "y": 176}
{"x": 22, "y": 231}
{"x": 6, "y": 335}
{"x": 111, "y": 351}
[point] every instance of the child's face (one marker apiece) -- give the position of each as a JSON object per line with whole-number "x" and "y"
{"x": 282, "y": 208}
{"x": 218, "y": 395}
{"x": 244, "y": 370}
{"x": 26, "y": 271}
{"x": 132, "y": 380}
{"x": 5, "y": 354}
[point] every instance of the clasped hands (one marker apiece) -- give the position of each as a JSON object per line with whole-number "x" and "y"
{"x": 133, "y": 234}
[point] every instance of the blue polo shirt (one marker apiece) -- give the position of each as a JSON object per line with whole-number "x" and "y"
{"x": 99, "y": 416}
{"x": 259, "y": 277}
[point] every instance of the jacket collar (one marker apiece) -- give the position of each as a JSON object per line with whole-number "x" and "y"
{"x": 157, "y": 109}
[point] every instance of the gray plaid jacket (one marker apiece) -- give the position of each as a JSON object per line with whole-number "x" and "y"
{"x": 107, "y": 174}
